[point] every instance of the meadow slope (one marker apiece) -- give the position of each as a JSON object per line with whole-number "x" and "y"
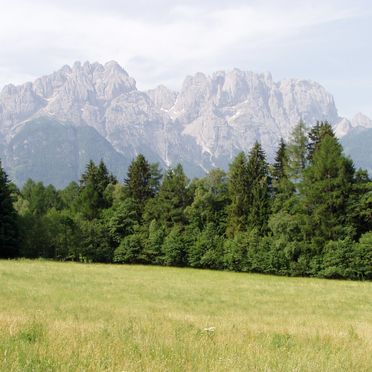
{"x": 80, "y": 317}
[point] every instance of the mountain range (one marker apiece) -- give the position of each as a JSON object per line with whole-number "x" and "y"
{"x": 51, "y": 127}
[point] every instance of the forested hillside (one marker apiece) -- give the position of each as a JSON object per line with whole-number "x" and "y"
{"x": 309, "y": 214}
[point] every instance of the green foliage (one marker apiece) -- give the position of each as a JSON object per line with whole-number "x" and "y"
{"x": 95, "y": 242}
{"x": 40, "y": 198}
{"x": 122, "y": 219}
{"x": 297, "y": 153}
{"x": 308, "y": 214}
{"x": 93, "y": 184}
{"x": 238, "y": 187}
{"x": 360, "y": 203}
{"x": 363, "y": 257}
{"x": 152, "y": 252}
{"x": 210, "y": 201}
{"x": 316, "y": 134}
{"x": 130, "y": 249}
{"x": 9, "y": 235}
{"x": 174, "y": 248}
{"x": 138, "y": 182}
{"x": 326, "y": 189}
{"x": 169, "y": 205}
{"x": 258, "y": 196}
{"x": 207, "y": 250}
{"x": 338, "y": 259}
{"x": 280, "y": 166}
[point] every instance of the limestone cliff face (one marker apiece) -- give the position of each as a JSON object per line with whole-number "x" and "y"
{"x": 204, "y": 125}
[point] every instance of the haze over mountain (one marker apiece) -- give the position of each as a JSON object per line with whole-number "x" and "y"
{"x": 51, "y": 127}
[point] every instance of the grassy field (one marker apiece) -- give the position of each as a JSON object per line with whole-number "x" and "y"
{"x": 69, "y": 317}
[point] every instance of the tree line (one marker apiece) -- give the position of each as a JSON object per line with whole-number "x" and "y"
{"x": 307, "y": 214}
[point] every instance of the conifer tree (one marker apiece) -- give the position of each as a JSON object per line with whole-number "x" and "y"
{"x": 326, "y": 190}
{"x": 8, "y": 219}
{"x": 93, "y": 184}
{"x": 238, "y": 186}
{"x": 280, "y": 166}
{"x": 360, "y": 209}
{"x": 297, "y": 153}
{"x": 258, "y": 191}
{"x": 172, "y": 199}
{"x": 138, "y": 182}
{"x": 282, "y": 187}
{"x": 316, "y": 134}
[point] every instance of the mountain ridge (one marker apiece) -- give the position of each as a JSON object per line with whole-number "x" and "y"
{"x": 203, "y": 125}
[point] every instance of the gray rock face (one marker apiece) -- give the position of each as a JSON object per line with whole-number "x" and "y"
{"x": 345, "y": 126}
{"x": 204, "y": 125}
{"x": 228, "y": 112}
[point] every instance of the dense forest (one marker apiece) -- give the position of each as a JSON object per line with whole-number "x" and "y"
{"x": 307, "y": 214}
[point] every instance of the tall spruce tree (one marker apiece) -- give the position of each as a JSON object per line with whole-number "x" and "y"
{"x": 238, "y": 187}
{"x": 138, "y": 182}
{"x": 326, "y": 190}
{"x": 316, "y": 134}
{"x": 282, "y": 187}
{"x": 258, "y": 191}
{"x": 93, "y": 184}
{"x": 9, "y": 244}
{"x": 360, "y": 209}
{"x": 174, "y": 196}
{"x": 297, "y": 153}
{"x": 280, "y": 166}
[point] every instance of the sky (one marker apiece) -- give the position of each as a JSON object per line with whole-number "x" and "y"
{"x": 162, "y": 41}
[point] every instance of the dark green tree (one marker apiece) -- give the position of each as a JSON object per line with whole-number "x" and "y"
{"x": 259, "y": 189}
{"x": 138, "y": 183}
{"x": 360, "y": 208}
{"x": 175, "y": 248}
{"x": 280, "y": 166}
{"x": 40, "y": 198}
{"x": 238, "y": 187}
{"x": 297, "y": 153}
{"x": 93, "y": 183}
{"x": 174, "y": 196}
{"x": 207, "y": 251}
{"x": 326, "y": 190}
{"x": 282, "y": 188}
{"x": 316, "y": 134}
{"x": 9, "y": 243}
{"x": 210, "y": 201}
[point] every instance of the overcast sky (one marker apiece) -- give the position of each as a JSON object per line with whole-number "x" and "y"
{"x": 161, "y": 41}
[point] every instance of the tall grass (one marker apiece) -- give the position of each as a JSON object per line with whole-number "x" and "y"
{"x": 75, "y": 317}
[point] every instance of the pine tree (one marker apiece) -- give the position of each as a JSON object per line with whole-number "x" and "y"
{"x": 259, "y": 194}
{"x": 360, "y": 209}
{"x": 280, "y": 166}
{"x": 297, "y": 153}
{"x": 169, "y": 205}
{"x": 316, "y": 134}
{"x": 93, "y": 184}
{"x": 282, "y": 187}
{"x": 138, "y": 181}
{"x": 9, "y": 244}
{"x": 238, "y": 186}
{"x": 326, "y": 190}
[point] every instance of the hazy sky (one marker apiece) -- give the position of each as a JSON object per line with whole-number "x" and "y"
{"x": 161, "y": 41}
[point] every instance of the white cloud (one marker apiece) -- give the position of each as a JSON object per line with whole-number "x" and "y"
{"x": 180, "y": 37}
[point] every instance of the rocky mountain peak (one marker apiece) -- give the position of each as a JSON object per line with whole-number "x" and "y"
{"x": 211, "y": 119}
{"x": 361, "y": 120}
{"x": 162, "y": 97}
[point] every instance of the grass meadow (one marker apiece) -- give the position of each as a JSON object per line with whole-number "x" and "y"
{"x": 81, "y": 317}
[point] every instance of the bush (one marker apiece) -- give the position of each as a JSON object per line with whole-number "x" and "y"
{"x": 130, "y": 250}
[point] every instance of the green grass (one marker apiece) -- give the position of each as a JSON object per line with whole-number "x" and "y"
{"x": 75, "y": 317}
